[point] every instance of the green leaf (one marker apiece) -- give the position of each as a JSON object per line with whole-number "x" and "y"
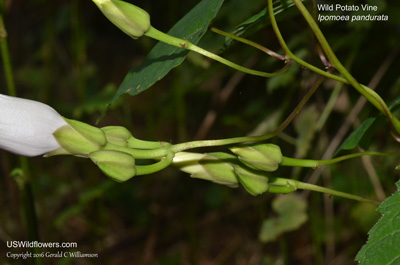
{"x": 292, "y": 214}
{"x": 355, "y": 137}
{"x": 384, "y": 238}
{"x": 361, "y": 135}
{"x": 163, "y": 57}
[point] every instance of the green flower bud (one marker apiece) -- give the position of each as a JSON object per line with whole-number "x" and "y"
{"x": 213, "y": 167}
{"x": 117, "y": 135}
{"x": 117, "y": 165}
{"x": 254, "y": 184}
{"x": 129, "y": 18}
{"x": 266, "y": 157}
{"x": 78, "y": 138}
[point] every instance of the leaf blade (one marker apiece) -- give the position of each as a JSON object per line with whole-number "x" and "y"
{"x": 163, "y": 57}
{"x": 356, "y": 136}
{"x": 384, "y": 237}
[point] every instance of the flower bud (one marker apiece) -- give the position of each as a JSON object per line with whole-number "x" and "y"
{"x": 266, "y": 157}
{"x": 78, "y": 138}
{"x": 254, "y": 184}
{"x": 117, "y": 165}
{"x": 27, "y": 126}
{"x": 117, "y": 135}
{"x": 129, "y": 18}
{"x": 213, "y": 167}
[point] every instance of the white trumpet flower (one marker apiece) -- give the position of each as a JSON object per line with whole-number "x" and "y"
{"x": 27, "y": 126}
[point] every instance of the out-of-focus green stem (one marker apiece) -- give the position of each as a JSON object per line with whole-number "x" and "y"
{"x": 6, "y": 59}
{"x": 25, "y": 187}
{"x": 29, "y": 209}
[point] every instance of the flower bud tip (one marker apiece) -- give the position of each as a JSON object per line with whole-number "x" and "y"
{"x": 129, "y": 18}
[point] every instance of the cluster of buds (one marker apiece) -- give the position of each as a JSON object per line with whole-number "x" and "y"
{"x": 104, "y": 146}
{"x": 250, "y": 168}
{"x": 31, "y": 128}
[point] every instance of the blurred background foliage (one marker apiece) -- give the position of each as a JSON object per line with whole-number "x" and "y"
{"x": 66, "y": 54}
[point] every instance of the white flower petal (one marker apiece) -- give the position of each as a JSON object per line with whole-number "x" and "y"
{"x": 27, "y": 126}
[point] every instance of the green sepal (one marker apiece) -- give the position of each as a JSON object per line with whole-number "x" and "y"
{"x": 129, "y": 18}
{"x": 213, "y": 167}
{"x": 255, "y": 184}
{"x": 117, "y": 135}
{"x": 217, "y": 169}
{"x": 57, "y": 152}
{"x": 265, "y": 157}
{"x": 117, "y": 165}
{"x": 78, "y": 138}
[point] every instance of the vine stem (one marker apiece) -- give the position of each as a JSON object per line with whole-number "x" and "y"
{"x": 368, "y": 93}
{"x": 293, "y": 57}
{"x": 185, "y": 44}
{"x": 250, "y": 43}
{"x": 294, "y": 162}
{"x": 282, "y": 185}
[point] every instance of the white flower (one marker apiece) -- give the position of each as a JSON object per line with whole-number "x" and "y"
{"x": 27, "y": 126}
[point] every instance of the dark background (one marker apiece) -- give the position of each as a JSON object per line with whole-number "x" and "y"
{"x": 68, "y": 55}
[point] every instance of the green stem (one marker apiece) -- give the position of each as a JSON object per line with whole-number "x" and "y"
{"x": 141, "y": 144}
{"x": 368, "y": 93}
{"x": 289, "y": 53}
{"x": 28, "y": 199}
{"x": 28, "y": 206}
{"x": 185, "y": 44}
{"x": 290, "y": 185}
{"x": 140, "y": 153}
{"x": 149, "y": 169}
{"x": 251, "y": 43}
{"x": 294, "y": 162}
{"x": 5, "y": 54}
{"x": 207, "y": 143}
